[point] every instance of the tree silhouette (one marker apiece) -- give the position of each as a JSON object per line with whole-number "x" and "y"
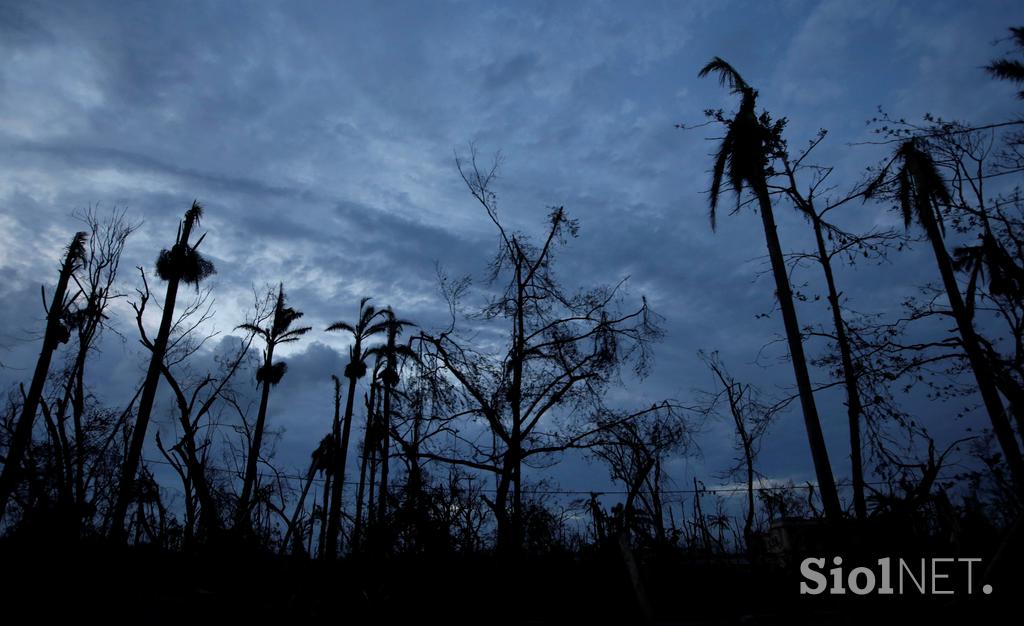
{"x": 751, "y": 418}
{"x": 563, "y": 351}
{"x": 921, "y": 193}
{"x": 269, "y": 374}
{"x": 743, "y": 158}
{"x": 56, "y": 333}
{"x": 807, "y": 203}
{"x": 320, "y": 461}
{"x": 195, "y": 399}
{"x": 364, "y": 328}
{"x": 1010, "y": 69}
{"x": 372, "y": 438}
{"x": 181, "y": 263}
{"x": 390, "y": 351}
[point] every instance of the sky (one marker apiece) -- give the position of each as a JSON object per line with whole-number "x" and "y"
{"x": 321, "y": 138}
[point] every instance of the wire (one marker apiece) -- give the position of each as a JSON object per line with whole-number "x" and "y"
{"x": 563, "y": 492}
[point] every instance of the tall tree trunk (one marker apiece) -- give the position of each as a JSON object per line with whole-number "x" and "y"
{"x": 77, "y": 415}
{"x": 156, "y": 361}
{"x": 1010, "y": 388}
{"x": 819, "y": 453}
{"x": 506, "y": 530}
{"x": 208, "y": 519}
{"x": 52, "y": 336}
{"x": 340, "y": 459}
{"x": 748, "y": 524}
{"x": 385, "y": 443}
{"x": 975, "y": 355}
{"x": 298, "y": 509}
{"x": 854, "y": 408}
{"x": 371, "y": 410}
{"x": 515, "y": 401}
{"x": 415, "y": 485}
{"x": 252, "y": 460}
{"x": 321, "y": 545}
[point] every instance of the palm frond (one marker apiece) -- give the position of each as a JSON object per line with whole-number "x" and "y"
{"x": 293, "y": 335}
{"x": 727, "y": 74}
{"x": 183, "y": 263}
{"x": 1017, "y": 34}
{"x": 356, "y": 368}
{"x": 721, "y": 160}
{"x": 252, "y": 328}
{"x": 402, "y": 324}
{"x": 1006, "y": 69}
{"x": 367, "y": 314}
{"x": 375, "y": 329}
{"x": 407, "y": 352}
{"x": 342, "y": 326}
{"x": 904, "y": 193}
{"x": 194, "y": 214}
{"x": 271, "y": 374}
{"x": 76, "y": 249}
{"x": 920, "y": 185}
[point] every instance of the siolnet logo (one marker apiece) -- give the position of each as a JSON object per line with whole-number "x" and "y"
{"x": 934, "y": 576}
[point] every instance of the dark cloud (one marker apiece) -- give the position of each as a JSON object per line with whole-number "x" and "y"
{"x": 321, "y": 139}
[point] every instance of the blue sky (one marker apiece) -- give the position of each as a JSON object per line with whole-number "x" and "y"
{"x": 320, "y": 137}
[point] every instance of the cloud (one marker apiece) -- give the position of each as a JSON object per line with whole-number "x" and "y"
{"x": 321, "y": 140}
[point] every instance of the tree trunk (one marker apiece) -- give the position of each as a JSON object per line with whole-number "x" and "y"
{"x": 252, "y": 460}
{"x": 819, "y": 453}
{"x": 975, "y": 355}
{"x": 854, "y": 407}
{"x": 152, "y": 382}
{"x": 22, "y": 435}
{"x": 325, "y": 499}
{"x": 340, "y": 459}
{"x": 385, "y": 449}
{"x": 371, "y": 404}
{"x": 298, "y": 509}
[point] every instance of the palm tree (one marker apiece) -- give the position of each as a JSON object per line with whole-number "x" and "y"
{"x": 390, "y": 351}
{"x": 57, "y": 332}
{"x": 181, "y": 263}
{"x": 369, "y": 450}
{"x": 1006, "y": 283}
{"x": 269, "y": 374}
{"x": 363, "y": 329}
{"x": 1010, "y": 69}
{"x": 743, "y": 156}
{"x": 921, "y": 193}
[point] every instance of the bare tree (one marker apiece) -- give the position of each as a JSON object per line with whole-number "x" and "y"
{"x": 196, "y": 398}
{"x": 751, "y": 417}
{"x": 542, "y": 392}
{"x": 56, "y": 333}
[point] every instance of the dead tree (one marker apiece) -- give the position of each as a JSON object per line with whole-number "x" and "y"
{"x": 181, "y": 263}
{"x": 57, "y": 332}
{"x": 564, "y": 349}
{"x": 751, "y": 417}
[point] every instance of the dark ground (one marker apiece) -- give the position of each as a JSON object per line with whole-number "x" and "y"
{"x": 105, "y": 584}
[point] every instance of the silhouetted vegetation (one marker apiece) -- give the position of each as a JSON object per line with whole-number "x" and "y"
{"x": 461, "y": 423}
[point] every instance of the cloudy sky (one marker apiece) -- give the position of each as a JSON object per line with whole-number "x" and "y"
{"x": 320, "y": 137}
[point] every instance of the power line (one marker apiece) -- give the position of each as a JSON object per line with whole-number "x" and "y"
{"x": 563, "y": 492}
